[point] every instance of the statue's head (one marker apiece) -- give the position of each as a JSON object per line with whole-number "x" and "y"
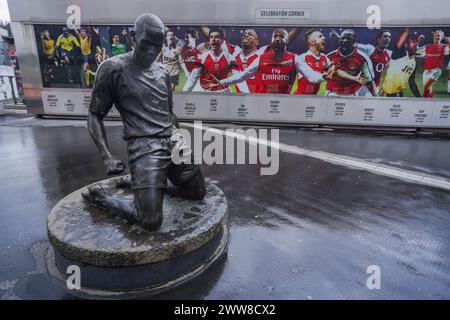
{"x": 148, "y": 36}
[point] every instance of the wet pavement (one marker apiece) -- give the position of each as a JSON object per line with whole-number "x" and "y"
{"x": 309, "y": 232}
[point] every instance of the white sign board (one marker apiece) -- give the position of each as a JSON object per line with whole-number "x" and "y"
{"x": 280, "y": 108}
{"x": 69, "y": 102}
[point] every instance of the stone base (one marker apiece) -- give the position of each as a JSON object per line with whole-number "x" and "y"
{"x": 121, "y": 260}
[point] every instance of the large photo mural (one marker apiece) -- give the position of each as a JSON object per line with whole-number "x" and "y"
{"x": 340, "y": 61}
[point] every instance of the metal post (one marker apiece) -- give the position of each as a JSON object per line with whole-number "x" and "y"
{"x": 12, "y": 90}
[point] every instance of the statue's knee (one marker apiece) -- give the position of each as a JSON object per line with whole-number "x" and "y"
{"x": 153, "y": 225}
{"x": 149, "y": 209}
{"x": 195, "y": 192}
{"x": 150, "y": 219}
{"x": 196, "y": 187}
{"x": 201, "y": 192}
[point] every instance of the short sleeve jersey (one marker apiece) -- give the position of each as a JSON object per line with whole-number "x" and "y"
{"x": 171, "y": 59}
{"x": 274, "y": 75}
{"x": 242, "y": 62}
{"x": 67, "y": 43}
{"x": 48, "y": 46}
{"x": 434, "y": 56}
{"x": 118, "y": 48}
{"x": 380, "y": 60}
{"x": 214, "y": 67}
{"x": 318, "y": 64}
{"x": 85, "y": 45}
{"x": 189, "y": 56}
{"x": 354, "y": 63}
{"x": 140, "y": 96}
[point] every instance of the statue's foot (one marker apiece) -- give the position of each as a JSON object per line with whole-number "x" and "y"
{"x": 95, "y": 196}
{"x": 124, "y": 183}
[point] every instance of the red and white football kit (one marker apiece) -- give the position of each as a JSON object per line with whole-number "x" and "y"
{"x": 231, "y": 48}
{"x": 433, "y": 64}
{"x": 243, "y": 62}
{"x": 210, "y": 67}
{"x": 434, "y": 56}
{"x": 354, "y": 63}
{"x": 380, "y": 60}
{"x": 189, "y": 56}
{"x": 272, "y": 75}
{"x": 310, "y": 71}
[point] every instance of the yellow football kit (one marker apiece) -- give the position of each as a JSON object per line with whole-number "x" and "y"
{"x": 48, "y": 46}
{"x": 67, "y": 43}
{"x": 85, "y": 45}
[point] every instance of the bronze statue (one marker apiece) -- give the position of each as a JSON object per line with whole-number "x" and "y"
{"x": 140, "y": 89}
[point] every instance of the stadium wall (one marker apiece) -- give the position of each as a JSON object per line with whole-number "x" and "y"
{"x": 28, "y": 16}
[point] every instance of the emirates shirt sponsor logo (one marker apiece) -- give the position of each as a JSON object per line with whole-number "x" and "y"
{"x": 276, "y": 74}
{"x": 276, "y": 77}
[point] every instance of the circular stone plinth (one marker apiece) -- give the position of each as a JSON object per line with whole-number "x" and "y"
{"x": 115, "y": 256}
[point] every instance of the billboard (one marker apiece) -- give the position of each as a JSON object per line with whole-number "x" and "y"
{"x": 327, "y": 61}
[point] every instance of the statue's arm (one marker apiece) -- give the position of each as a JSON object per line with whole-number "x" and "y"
{"x": 98, "y": 134}
{"x": 101, "y": 103}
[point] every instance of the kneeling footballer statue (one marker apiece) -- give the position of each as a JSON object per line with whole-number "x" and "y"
{"x": 140, "y": 89}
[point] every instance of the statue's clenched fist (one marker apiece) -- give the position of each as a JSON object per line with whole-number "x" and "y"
{"x": 114, "y": 166}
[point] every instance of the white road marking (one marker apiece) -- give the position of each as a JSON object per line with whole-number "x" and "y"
{"x": 349, "y": 162}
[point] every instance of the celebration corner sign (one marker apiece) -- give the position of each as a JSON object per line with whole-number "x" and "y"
{"x": 277, "y": 13}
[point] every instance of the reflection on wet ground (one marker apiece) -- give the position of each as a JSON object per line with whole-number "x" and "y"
{"x": 310, "y": 231}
